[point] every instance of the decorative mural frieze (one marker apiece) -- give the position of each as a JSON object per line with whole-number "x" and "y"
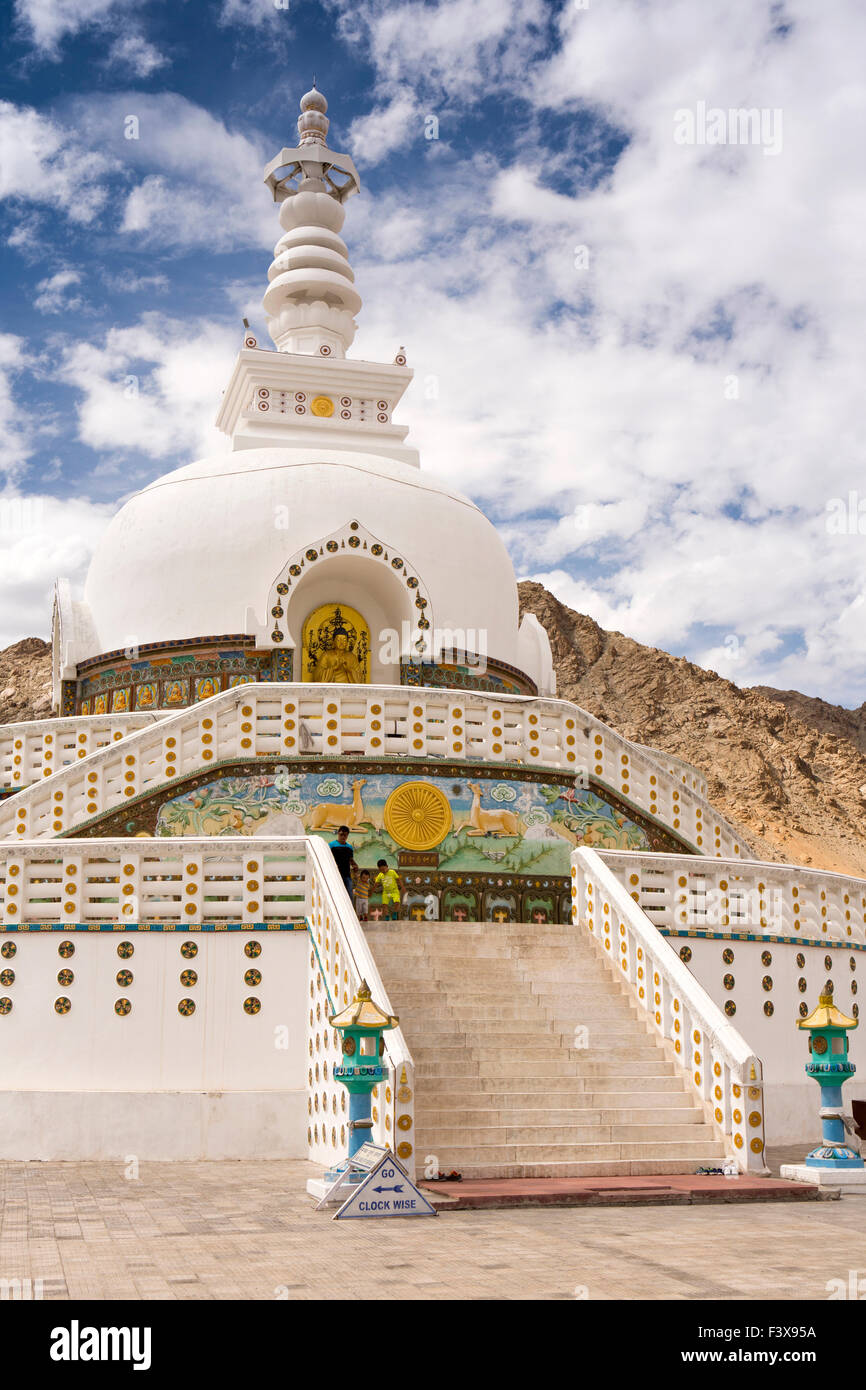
{"x": 468, "y": 671}
{"x": 172, "y": 676}
{"x": 242, "y": 798}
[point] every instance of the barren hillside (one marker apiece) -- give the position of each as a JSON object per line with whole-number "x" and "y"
{"x": 25, "y": 681}
{"x": 786, "y": 772}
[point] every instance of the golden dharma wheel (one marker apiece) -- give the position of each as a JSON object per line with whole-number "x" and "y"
{"x": 417, "y": 815}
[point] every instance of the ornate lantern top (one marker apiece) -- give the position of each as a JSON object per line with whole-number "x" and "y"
{"x": 363, "y": 1012}
{"x": 827, "y": 1016}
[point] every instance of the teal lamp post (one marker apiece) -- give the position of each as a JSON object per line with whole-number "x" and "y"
{"x": 828, "y": 1063}
{"x": 362, "y": 1024}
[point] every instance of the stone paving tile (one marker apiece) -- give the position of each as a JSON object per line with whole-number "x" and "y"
{"x": 193, "y": 1231}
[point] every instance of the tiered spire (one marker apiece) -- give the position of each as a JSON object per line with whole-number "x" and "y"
{"x": 311, "y": 300}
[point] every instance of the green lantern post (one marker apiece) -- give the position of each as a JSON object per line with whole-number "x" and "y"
{"x": 362, "y": 1024}
{"x": 834, "y": 1162}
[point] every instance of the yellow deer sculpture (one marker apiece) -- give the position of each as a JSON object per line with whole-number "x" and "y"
{"x": 329, "y": 815}
{"x": 483, "y": 822}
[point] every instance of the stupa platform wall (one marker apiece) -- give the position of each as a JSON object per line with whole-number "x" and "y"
{"x": 761, "y": 941}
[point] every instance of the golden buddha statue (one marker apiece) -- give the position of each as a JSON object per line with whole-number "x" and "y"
{"x": 336, "y": 646}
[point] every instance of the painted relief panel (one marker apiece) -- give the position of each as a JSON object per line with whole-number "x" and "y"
{"x": 455, "y": 824}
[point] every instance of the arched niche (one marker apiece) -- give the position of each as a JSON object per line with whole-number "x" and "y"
{"x": 355, "y": 568}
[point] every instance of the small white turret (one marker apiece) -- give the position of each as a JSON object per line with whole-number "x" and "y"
{"x": 311, "y": 300}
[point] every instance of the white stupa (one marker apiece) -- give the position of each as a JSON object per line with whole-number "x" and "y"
{"x": 318, "y": 499}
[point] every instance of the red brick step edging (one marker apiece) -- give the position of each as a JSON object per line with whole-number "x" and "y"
{"x": 669, "y": 1189}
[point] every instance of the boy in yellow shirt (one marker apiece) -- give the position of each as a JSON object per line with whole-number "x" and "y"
{"x": 389, "y": 882}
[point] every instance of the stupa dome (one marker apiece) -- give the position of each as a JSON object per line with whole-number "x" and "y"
{"x": 198, "y": 553}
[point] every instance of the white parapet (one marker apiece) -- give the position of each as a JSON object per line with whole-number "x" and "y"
{"x": 717, "y": 1062}
{"x": 763, "y": 941}
{"x": 292, "y": 720}
{"x": 170, "y": 1000}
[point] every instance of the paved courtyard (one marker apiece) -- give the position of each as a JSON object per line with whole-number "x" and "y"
{"x": 248, "y": 1230}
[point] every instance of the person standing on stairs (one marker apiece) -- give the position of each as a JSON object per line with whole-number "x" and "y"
{"x": 344, "y": 857}
{"x": 389, "y": 882}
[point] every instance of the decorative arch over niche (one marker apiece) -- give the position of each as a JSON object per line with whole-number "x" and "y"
{"x": 350, "y": 539}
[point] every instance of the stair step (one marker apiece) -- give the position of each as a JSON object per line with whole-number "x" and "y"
{"x": 610, "y": 1168}
{"x": 490, "y": 1013}
{"x": 652, "y": 1087}
{"x": 489, "y": 1137}
{"x": 505, "y": 1068}
{"x": 477, "y": 1115}
{"x": 458, "y": 1155}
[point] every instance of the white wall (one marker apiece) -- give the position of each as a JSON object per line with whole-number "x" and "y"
{"x": 93, "y": 1084}
{"x": 792, "y": 1098}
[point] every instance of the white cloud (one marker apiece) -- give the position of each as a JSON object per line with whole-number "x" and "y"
{"x": 57, "y": 293}
{"x": 135, "y": 53}
{"x": 42, "y": 162}
{"x": 126, "y": 282}
{"x": 47, "y": 22}
{"x": 693, "y": 388}
{"x": 461, "y": 47}
{"x": 199, "y": 183}
{"x": 152, "y": 387}
{"x": 254, "y": 14}
{"x": 386, "y": 129}
{"x": 41, "y": 538}
{"x": 16, "y": 429}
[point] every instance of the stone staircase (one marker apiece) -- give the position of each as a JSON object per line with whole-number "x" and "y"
{"x": 491, "y": 1013}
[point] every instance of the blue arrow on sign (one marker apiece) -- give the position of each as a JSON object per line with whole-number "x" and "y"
{"x": 398, "y": 1188}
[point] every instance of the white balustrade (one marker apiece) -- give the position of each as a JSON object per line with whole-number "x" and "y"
{"x": 35, "y": 748}
{"x": 177, "y": 884}
{"x": 717, "y": 1061}
{"x": 687, "y": 892}
{"x": 687, "y": 774}
{"x": 289, "y": 721}
{"x": 339, "y": 960}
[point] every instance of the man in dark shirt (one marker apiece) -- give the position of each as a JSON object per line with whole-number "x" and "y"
{"x": 344, "y": 857}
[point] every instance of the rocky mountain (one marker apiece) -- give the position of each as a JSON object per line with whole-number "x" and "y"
{"x": 828, "y": 719}
{"x": 25, "y": 681}
{"x": 787, "y": 769}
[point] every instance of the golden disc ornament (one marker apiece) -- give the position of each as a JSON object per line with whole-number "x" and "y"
{"x": 322, "y": 405}
{"x": 417, "y": 815}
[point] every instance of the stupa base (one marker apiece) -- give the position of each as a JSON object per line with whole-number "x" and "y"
{"x": 849, "y": 1180}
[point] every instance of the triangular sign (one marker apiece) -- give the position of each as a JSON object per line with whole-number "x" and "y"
{"x": 386, "y": 1191}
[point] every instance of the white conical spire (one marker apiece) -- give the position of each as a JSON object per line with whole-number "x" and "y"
{"x": 311, "y": 300}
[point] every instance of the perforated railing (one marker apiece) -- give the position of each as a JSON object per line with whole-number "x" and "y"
{"x": 687, "y": 891}
{"x": 163, "y": 883}
{"x": 35, "y": 748}
{"x": 720, "y": 1066}
{"x": 292, "y": 721}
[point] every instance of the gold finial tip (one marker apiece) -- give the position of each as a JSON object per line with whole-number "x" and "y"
{"x": 825, "y": 1000}
{"x": 363, "y": 991}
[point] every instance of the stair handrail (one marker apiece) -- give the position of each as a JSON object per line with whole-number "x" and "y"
{"x": 721, "y": 1067}
{"x": 331, "y": 918}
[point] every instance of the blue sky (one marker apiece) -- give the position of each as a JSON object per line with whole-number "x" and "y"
{"x": 639, "y": 353}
